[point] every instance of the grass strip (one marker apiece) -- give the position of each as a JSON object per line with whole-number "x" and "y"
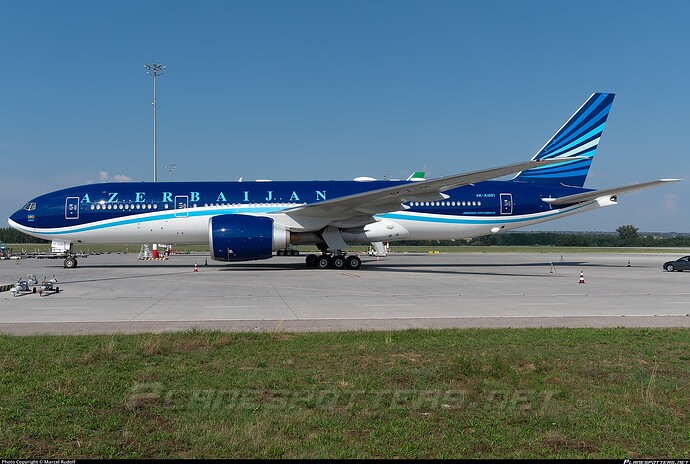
{"x": 460, "y": 393}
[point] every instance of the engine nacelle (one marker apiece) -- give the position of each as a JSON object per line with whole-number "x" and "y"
{"x": 240, "y": 237}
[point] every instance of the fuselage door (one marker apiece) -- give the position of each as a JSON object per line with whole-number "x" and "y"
{"x": 506, "y": 203}
{"x": 72, "y": 208}
{"x": 181, "y": 203}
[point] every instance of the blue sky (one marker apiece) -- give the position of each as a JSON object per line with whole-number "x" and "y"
{"x": 331, "y": 89}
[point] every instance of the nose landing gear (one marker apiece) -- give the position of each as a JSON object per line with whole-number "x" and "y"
{"x": 70, "y": 262}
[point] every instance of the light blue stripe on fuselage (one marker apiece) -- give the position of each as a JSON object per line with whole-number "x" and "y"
{"x": 407, "y": 216}
{"x": 478, "y": 220}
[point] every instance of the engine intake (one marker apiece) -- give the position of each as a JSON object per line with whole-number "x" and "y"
{"x": 240, "y": 237}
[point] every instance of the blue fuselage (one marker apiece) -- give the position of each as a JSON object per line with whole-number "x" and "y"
{"x": 179, "y": 212}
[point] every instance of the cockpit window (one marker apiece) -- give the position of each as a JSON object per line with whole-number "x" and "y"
{"x": 30, "y": 206}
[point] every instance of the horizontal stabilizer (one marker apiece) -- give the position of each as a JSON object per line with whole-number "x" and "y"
{"x": 594, "y": 194}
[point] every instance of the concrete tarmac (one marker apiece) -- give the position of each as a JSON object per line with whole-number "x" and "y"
{"x": 113, "y": 293}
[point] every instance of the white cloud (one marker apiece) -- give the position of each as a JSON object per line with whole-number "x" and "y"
{"x": 670, "y": 204}
{"x": 104, "y": 176}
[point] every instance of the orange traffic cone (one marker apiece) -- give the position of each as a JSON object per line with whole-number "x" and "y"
{"x": 196, "y": 269}
{"x": 582, "y": 278}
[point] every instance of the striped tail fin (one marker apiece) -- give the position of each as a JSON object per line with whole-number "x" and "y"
{"x": 579, "y": 137}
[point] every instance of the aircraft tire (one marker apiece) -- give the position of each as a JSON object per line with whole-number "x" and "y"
{"x": 322, "y": 262}
{"x": 70, "y": 263}
{"x": 311, "y": 260}
{"x": 338, "y": 261}
{"x": 353, "y": 262}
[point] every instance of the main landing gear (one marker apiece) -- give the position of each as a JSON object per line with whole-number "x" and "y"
{"x": 287, "y": 252}
{"x": 336, "y": 260}
{"x": 70, "y": 262}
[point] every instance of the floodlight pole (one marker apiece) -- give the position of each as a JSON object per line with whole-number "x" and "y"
{"x": 171, "y": 168}
{"x": 155, "y": 70}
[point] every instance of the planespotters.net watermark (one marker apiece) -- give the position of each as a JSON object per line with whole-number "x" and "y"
{"x": 655, "y": 461}
{"x": 155, "y": 394}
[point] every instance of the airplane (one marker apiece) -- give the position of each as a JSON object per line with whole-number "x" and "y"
{"x": 244, "y": 221}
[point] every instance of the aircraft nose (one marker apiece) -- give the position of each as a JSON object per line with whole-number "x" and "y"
{"x": 17, "y": 218}
{"x": 13, "y": 218}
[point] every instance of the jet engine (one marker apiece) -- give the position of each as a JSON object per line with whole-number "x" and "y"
{"x": 241, "y": 237}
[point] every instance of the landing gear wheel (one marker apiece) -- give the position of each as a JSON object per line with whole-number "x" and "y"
{"x": 338, "y": 262}
{"x": 70, "y": 263}
{"x": 311, "y": 260}
{"x": 322, "y": 262}
{"x": 353, "y": 262}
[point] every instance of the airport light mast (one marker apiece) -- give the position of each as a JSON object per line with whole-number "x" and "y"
{"x": 171, "y": 168}
{"x": 155, "y": 70}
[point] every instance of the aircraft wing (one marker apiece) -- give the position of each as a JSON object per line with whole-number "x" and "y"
{"x": 611, "y": 192}
{"x": 361, "y": 206}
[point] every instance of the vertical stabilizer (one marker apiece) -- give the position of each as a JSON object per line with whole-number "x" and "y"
{"x": 579, "y": 137}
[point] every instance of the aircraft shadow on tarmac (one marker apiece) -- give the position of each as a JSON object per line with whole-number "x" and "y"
{"x": 297, "y": 266}
{"x": 475, "y": 268}
{"x": 432, "y": 268}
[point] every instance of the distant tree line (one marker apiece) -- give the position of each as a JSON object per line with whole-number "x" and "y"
{"x": 626, "y": 236}
{"x": 10, "y": 235}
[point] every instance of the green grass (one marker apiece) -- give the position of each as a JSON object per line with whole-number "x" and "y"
{"x": 527, "y": 393}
